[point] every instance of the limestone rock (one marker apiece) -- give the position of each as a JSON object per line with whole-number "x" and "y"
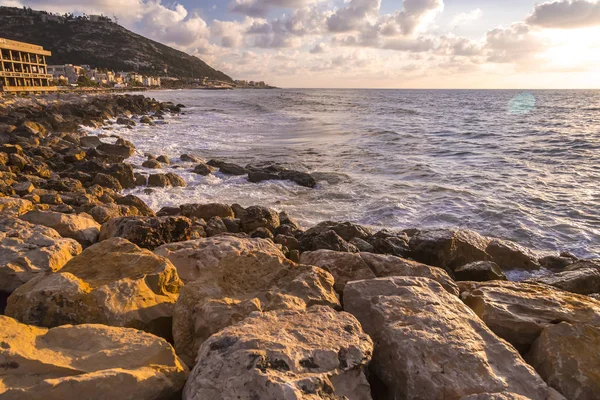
{"x": 567, "y": 357}
{"x": 81, "y": 227}
{"x": 582, "y": 281}
{"x": 149, "y": 232}
{"x": 518, "y": 312}
{"x": 259, "y": 217}
{"x": 479, "y": 271}
{"x": 94, "y": 362}
{"x": 448, "y": 248}
{"x": 207, "y": 211}
{"x": 27, "y": 251}
{"x": 203, "y": 169}
{"x": 346, "y": 267}
{"x": 106, "y": 212}
{"x": 429, "y": 345}
{"x": 113, "y": 282}
{"x": 229, "y": 277}
{"x": 511, "y": 256}
{"x": 11, "y": 206}
{"x": 317, "y": 354}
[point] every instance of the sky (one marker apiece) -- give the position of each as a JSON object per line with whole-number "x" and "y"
{"x": 373, "y": 43}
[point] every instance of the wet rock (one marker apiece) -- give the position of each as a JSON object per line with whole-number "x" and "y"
{"x": 163, "y": 159}
{"x": 189, "y": 158}
{"x": 155, "y": 164}
{"x": 233, "y": 225}
{"x": 563, "y": 356}
{"x": 146, "y": 120}
{"x": 105, "y": 212}
{"x": 149, "y": 232}
{"x": 345, "y": 230}
{"x": 388, "y": 242}
{"x": 255, "y": 217}
{"x": 121, "y": 149}
{"x": 261, "y": 176}
{"x": 203, "y": 169}
{"x": 227, "y": 278}
{"x": 166, "y": 180}
{"x": 326, "y": 239}
{"x": 107, "y": 181}
{"x": 207, "y": 211}
{"x": 125, "y": 121}
{"x": 124, "y": 173}
{"x": 511, "y": 256}
{"x": 28, "y": 250}
{"x": 80, "y": 227}
{"x": 448, "y": 248}
{"x": 428, "y": 345}
{"x": 479, "y": 271}
{"x": 262, "y": 233}
{"x": 228, "y": 168}
{"x": 215, "y": 226}
{"x": 90, "y": 141}
{"x": 290, "y": 242}
{"x": 346, "y": 267}
{"x": 322, "y": 355}
{"x": 582, "y": 281}
{"x": 133, "y": 201}
{"x": 362, "y": 245}
{"x": 113, "y": 283}
{"x": 175, "y": 180}
{"x": 140, "y": 179}
{"x": 86, "y": 361}
{"x": 10, "y": 206}
{"x": 519, "y": 312}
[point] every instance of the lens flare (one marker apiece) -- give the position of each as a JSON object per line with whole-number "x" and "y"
{"x": 522, "y": 104}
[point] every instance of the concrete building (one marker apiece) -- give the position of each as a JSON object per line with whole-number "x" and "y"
{"x": 69, "y": 72}
{"x": 23, "y": 68}
{"x": 151, "y": 81}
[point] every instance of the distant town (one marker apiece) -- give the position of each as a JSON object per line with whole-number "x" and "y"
{"x": 24, "y": 69}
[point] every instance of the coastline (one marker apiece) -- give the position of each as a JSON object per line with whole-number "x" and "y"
{"x": 65, "y": 185}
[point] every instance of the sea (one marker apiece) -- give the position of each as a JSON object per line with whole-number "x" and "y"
{"x": 522, "y": 165}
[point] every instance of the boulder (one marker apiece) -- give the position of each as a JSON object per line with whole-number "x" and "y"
{"x": 90, "y": 141}
{"x": 259, "y": 217}
{"x": 314, "y": 354}
{"x": 94, "y": 362}
{"x": 106, "y": 212}
{"x": 155, "y": 164}
{"x": 166, "y": 180}
{"x": 346, "y": 267}
{"x": 519, "y": 312}
{"x": 23, "y": 188}
{"x": 134, "y": 201}
{"x": 206, "y": 211}
{"x": 566, "y": 356}
{"x": 189, "y": 158}
{"x": 124, "y": 174}
{"x": 122, "y": 149}
{"x": 11, "y": 206}
{"x": 107, "y": 181}
{"x": 203, "y": 169}
{"x": 81, "y": 227}
{"x": 479, "y": 271}
{"x": 227, "y": 278}
{"x": 228, "y": 168}
{"x": 113, "y": 282}
{"x": 448, "y": 248}
{"x": 28, "y": 250}
{"x": 215, "y": 226}
{"x": 582, "y": 281}
{"x": 388, "y": 242}
{"x": 428, "y": 345}
{"x": 149, "y": 232}
{"x": 327, "y": 240}
{"x": 345, "y": 230}
{"x": 511, "y": 256}
{"x": 163, "y": 159}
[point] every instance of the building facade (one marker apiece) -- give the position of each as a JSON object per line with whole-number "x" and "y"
{"x": 68, "y": 72}
{"x": 23, "y": 68}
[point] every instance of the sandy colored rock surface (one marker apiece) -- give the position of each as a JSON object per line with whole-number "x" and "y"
{"x": 568, "y": 358}
{"x": 429, "y": 345}
{"x": 113, "y": 282}
{"x": 92, "y": 362}
{"x": 28, "y": 250}
{"x": 11, "y": 206}
{"x": 238, "y": 277}
{"x": 582, "y": 281}
{"x": 346, "y": 267}
{"x": 81, "y": 227}
{"x": 314, "y": 354}
{"x": 518, "y": 312}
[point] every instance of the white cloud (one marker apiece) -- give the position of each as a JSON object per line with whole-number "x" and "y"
{"x": 261, "y": 8}
{"x": 468, "y": 17}
{"x": 566, "y": 14}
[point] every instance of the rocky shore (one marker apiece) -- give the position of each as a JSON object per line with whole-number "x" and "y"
{"x": 102, "y": 297}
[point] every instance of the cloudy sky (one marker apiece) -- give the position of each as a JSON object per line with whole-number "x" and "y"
{"x": 373, "y": 43}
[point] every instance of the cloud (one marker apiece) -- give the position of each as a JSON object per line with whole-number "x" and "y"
{"x": 468, "y": 17}
{"x": 261, "y": 8}
{"x": 566, "y": 14}
{"x": 318, "y": 49}
{"x": 515, "y": 44}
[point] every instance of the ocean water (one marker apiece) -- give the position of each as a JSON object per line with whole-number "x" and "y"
{"x": 520, "y": 165}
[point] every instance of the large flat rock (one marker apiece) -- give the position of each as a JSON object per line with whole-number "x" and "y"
{"x": 518, "y": 312}
{"x": 28, "y": 250}
{"x": 92, "y": 362}
{"x": 313, "y": 354}
{"x": 81, "y": 227}
{"x": 113, "y": 282}
{"x": 429, "y": 345}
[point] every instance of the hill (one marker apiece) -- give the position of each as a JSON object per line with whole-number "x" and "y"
{"x": 99, "y": 42}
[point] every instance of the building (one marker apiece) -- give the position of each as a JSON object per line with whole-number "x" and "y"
{"x": 69, "y": 72}
{"x": 23, "y": 68}
{"x": 150, "y": 81}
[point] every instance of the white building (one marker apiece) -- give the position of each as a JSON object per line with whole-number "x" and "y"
{"x": 69, "y": 72}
